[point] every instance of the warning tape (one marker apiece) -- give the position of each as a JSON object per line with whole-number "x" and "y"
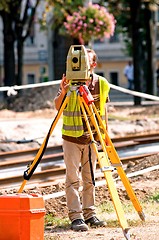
{"x": 135, "y": 93}
{"x": 12, "y": 90}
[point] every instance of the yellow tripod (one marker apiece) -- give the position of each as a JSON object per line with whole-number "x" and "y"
{"x": 108, "y": 158}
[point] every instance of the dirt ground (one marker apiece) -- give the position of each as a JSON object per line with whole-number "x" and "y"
{"x": 143, "y": 186}
{"x": 130, "y": 120}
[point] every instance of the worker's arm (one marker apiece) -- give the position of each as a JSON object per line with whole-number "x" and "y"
{"x": 64, "y": 85}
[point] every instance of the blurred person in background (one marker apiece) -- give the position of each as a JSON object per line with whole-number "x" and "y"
{"x": 129, "y": 74}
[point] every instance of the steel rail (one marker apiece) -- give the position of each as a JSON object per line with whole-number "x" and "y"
{"x": 119, "y": 142}
{"x": 49, "y": 176}
{"x": 51, "y": 167}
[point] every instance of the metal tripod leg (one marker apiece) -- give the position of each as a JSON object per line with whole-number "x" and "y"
{"x": 106, "y": 167}
{"x": 114, "y": 159}
{"x": 43, "y": 146}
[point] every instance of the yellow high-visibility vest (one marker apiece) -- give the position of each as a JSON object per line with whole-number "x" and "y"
{"x": 72, "y": 118}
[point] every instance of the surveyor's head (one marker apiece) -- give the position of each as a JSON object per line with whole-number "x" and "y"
{"x": 92, "y": 58}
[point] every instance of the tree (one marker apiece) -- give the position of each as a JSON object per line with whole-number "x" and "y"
{"x": 23, "y": 24}
{"x": 16, "y": 27}
{"x": 60, "y": 9}
{"x": 134, "y": 18}
{"x": 9, "y": 39}
{"x": 79, "y": 23}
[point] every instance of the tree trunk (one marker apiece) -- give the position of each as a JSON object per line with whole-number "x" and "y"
{"x": 9, "y": 57}
{"x": 19, "y": 78}
{"x": 135, "y": 7}
{"x": 149, "y": 68}
{"x": 61, "y": 46}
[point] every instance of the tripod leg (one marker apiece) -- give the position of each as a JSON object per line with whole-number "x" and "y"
{"x": 114, "y": 158}
{"x": 118, "y": 165}
{"x": 106, "y": 168}
{"x": 44, "y": 144}
{"x": 107, "y": 171}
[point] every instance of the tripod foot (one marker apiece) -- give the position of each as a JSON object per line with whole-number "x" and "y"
{"x": 126, "y": 233}
{"x": 142, "y": 216}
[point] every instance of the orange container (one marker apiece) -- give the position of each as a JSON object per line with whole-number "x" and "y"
{"x": 22, "y": 217}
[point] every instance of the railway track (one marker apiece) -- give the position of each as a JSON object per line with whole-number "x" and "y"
{"x": 52, "y": 169}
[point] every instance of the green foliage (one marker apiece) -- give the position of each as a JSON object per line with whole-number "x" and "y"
{"x": 155, "y": 197}
{"x": 105, "y": 207}
{"x": 61, "y": 8}
{"x": 4, "y": 5}
{"x": 122, "y": 10}
{"x": 9, "y": 5}
{"x": 50, "y": 220}
{"x": 106, "y": 211}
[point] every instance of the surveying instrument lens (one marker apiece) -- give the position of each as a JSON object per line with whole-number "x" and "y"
{"x": 74, "y": 60}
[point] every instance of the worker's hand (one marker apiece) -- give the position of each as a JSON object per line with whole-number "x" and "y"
{"x": 64, "y": 84}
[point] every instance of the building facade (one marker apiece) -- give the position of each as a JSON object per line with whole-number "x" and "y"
{"x": 38, "y": 61}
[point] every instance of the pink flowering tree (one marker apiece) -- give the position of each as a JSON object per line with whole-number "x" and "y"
{"x": 89, "y": 23}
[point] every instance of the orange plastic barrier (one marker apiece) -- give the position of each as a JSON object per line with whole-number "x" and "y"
{"x": 22, "y": 217}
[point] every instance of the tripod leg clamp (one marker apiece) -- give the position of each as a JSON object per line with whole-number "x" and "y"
{"x": 107, "y": 169}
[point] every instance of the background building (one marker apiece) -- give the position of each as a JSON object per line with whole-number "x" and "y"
{"x": 42, "y": 50}
{"x": 35, "y": 59}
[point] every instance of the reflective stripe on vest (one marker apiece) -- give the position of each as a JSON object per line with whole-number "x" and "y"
{"x": 72, "y": 120}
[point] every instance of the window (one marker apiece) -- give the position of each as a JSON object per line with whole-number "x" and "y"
{"x": 31, "y": 78}
{"x": 114, "y": 78}
{"x": 100, "y": 74}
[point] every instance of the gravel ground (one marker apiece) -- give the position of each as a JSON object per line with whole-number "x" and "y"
{"x": 131, "y": 120}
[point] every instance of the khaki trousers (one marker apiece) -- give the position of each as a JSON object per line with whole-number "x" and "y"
{"x": 76, "y": 155}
